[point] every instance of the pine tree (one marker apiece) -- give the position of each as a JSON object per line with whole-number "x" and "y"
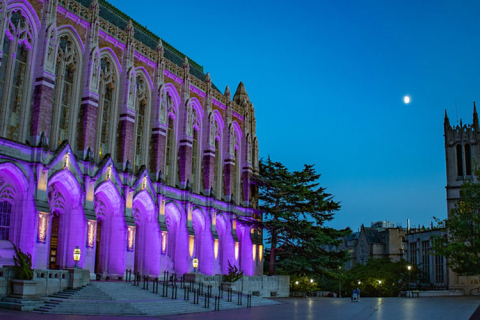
{"x": 295, "y": 210}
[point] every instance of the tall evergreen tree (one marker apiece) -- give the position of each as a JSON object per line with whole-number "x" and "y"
{"x": 295, "y": 210}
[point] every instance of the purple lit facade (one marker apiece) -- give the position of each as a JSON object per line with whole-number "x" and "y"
{"x": 115, "y": 142}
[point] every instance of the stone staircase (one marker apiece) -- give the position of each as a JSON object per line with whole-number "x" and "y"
{"x": 121, "y": 298}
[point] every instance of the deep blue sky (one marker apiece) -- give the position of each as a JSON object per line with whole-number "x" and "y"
{"x": 327, "y": 80}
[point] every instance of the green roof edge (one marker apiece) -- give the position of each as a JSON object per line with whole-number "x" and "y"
{"x": 148, "y": 32}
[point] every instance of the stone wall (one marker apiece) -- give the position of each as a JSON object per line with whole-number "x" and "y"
{"x": 263, "y": 286}
{"x": 48, "y": 281}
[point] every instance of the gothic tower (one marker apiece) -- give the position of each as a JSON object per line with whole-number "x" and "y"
{"x": 462, "y": 153}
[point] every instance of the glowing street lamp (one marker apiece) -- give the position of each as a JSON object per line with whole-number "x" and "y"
{"x": 195, "y": 264}
{"x": 296, "y": 282}
{"x": 359, "y": 282}
{"x": 76, "y": 256}
{"x": 409, "y": 267}
{"x": 311, "y": 280}
{"x": 379, "y": 281}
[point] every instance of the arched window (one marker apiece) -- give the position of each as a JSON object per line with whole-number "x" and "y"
{"x": 14, "y": 71}
{"x": 63, "y": 101}
{"x": 217, "y": 177}
{"x": 468, "y": 160}
{"x": 194, "y": 160}
{"x": 459, "y": 160}
{"x": 236, "y": 166}
{"x": 169, "y": 153}
{"x": 141, "y": 109}
{"x": 5, "y": 213}
{"x": 106, "y": 106}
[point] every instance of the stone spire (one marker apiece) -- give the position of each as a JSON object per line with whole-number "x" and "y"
{"x": 227, "y": 93}
{"x": 186, "y": 66}
{"x": 241, "y": 94}
{"x": 475, "y": 119}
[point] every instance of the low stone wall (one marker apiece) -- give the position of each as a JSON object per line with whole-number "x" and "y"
{"x": 48, "y": 281}
{"x": 263, "y": 286}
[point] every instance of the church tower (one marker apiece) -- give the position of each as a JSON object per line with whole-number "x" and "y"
{"x": 462, "y": 153}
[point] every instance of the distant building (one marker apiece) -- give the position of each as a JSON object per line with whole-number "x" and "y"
{"x": 378, "y": 241}
{"x": 418, "y": 251}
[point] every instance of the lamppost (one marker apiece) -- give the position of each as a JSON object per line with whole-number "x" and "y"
{"x": 195, "y": 264}
{"x": 76, "y": 256}
{"x": 339, "y": 282}
{"x": 379, "y": 284}
{"x": 409, "y": 267}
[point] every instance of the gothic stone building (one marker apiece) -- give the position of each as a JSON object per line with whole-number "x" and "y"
{"x": 113, "y": 141}
{"x": 462, "y": 150}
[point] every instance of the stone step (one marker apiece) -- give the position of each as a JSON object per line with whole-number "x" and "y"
{"x": 120, "y": 298}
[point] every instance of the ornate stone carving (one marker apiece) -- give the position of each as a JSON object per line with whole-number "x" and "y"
{"x": 56, "y": 200}
{"x": 233, "y": 140}
{"x": 100, "y": 209}
{"x": 7, "y": 193}
{"x": 51, "y": 45}
{"x": 19, "y": 28}
{"x": 213, "y": 130}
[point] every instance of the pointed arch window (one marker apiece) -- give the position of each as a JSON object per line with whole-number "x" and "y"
{"x": 459, "y": 160}
{"x": 66, "y": 73}
{"x": 141, "y": 108}
{"x": 217, "y": 177}
{"x": 170, "y": 146}
{"x": 14, "y": 72}
{"x": 106, "y": 103}
{"x": 194, "y": 159}
{"x": 5, "y": 214}
{"x": 236, "y": 178}
{"x": 468, "y": 160}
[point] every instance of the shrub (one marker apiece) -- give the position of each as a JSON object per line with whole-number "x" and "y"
{"x": 23, "y": 264}
{"x": 233, "y": 274}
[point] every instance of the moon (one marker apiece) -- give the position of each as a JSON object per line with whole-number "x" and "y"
{"x": 406, "y": 99}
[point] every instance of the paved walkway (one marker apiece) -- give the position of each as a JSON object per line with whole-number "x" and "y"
{"x": 456, "y": 308}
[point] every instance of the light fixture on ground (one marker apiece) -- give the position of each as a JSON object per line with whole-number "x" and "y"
{"x": 76, "y": 256}
{"x": 195, "y": 264}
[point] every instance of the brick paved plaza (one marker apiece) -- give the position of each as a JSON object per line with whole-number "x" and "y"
{"x": 315, "y": 308}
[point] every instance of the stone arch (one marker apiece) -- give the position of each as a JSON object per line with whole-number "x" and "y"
{"x": 177, "y": 243}
{"x": 68, "y": 223}
{"x": 111, "y": 231}
{"x": 147, "y": 235}
{"x": 245, "y": 259}
{"x": 14, "y": 190}
{"x": 226, "y": 246}
{"x": 203, "y": 244}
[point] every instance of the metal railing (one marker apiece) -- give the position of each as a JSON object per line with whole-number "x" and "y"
{"x": 171, "y": 283}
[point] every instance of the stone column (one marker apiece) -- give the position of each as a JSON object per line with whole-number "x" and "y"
{"x": 44, "y": 83}
{"x": 89, "y": 105}
{"x": 158, "y": 141}
{"x": 126, "y": 126}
